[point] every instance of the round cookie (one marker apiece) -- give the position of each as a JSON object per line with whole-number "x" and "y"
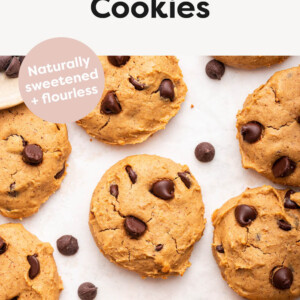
{"x": 33, "y": 155}
{"x": 251, "y": 62}
{"x": 256, "y": 243}
{"x": 146, "y": 214}
{"x": 269, "y": 128}
{"x": 141, "y": 95}
{"x": 28, "y": 270}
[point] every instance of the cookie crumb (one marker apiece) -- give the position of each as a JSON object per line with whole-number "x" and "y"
{"x": 192, "y": 106}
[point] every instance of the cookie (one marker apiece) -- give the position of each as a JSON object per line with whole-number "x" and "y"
{"x": 251, "y": 62}
{"x": 28, "y": 270}
{"x": 269, "y": 128}
{"x": 141, "y": 95}
{"x": 146, "y": 215}
{"x": 256, "y": 244}
{"x": 33, "y": 155}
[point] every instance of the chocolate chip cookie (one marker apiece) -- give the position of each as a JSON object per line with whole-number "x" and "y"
{"x": 269, "y": 128}
{"x": 28, "y": 270}
{"x": 146, "y": 214}
{"x": 33, "y": 155}
{"x": 141, "y": 95}
{"x": 256, "y": 243}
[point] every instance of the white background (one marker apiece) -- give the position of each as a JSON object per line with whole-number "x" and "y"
{"x": 213, "y": 120}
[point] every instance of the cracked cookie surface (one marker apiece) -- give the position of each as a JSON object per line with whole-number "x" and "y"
{"x": 257, "y": 243}
{"x": 269, "y": 128}
{"x": 33, "y": 155}
{"x": 146, "y": 214}
{"x": 28, "y": 270}
{"x": 141, "y": 95}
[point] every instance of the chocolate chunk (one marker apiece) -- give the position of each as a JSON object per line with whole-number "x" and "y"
{"x": 205, "y": 152}
{"x": 245, "y": 214}
{"x": 4, "y": 62}
{"x": 282, "y": 278}
{"x": 159, "y": 247}
{"x": 110, "y": 104}
{"x": 34, "y": 266}
{"x": 137, "y": 85}
{"x": 61, "y": 172}
{"x": 134, "y": 226}
{"x": 67, "y": 245}
{"x": 251, "y": 132}
{"x": 87, "y": 291}
{"x": 284, "y": 225}
{"x": 13, "y": 69}
{"x": 118, "y": 61}
{"x": 114, "y": 190}
{"x": 12, "y": 192}
{"x": 215, "y": 69}
{"x": 21, "y": 58}
{"x": 220, "y": 249}
{"x": 3, "y": 246}
{"x": 185, "y": 178}
{"x": 288, "y": 203}
{"x": 163, "y": 189}
{"x": 132, "y": 175}
{"x": 32, "y": 154}
{"x": 283, "y": 167}
{"x": 166, "y": 89}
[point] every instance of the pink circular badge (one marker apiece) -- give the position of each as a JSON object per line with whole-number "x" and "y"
{"x": 61, "y": 80}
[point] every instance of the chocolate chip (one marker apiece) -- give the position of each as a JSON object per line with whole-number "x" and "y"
{"x": 159, "y": 247}
{"x": 288, "y": 203}
{"x": 282, "y": 278}
{"x": 137, "y": 85}
{"x": 34, "y": 266}
{"x": 283, "y": 167}
{"x": 32, "y": 154}
{"x": 12, "y": 192}
{"x": 3, "y": 246}
{"x": 132, "y": 175}
{"x": 110, "y": 104}
{"x": 166, "y": 89}
{"x": 67, "y": 245}
{"x": 215, "y": 69}
{"x": 284, "y": 225}
{"x": 298, "y": 119}
{"x": 185, "y": 178}
{"x": 118, "y": 61}
{"x": 114, "y": 190}
{"x": 15, "y": 298}
{"x": 163, "y": 189}
{"x": 61, "y": 172}
{"x": 251, "y": 132}
{"x": 205, "y": 152}
{"x": 4, "y": 62}
{"x": 13, "y": 69}
{"x": 245, "y": 214}
{"x": 87, "y": 291}
{"x": 220, "y": 249}
{"x": 21, "y": 58}
{"x": 134, "y": 226}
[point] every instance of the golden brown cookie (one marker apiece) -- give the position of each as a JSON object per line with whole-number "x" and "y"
{"x": 146, "y": 214}
{"x": 33, "y": 155}
{"x": 257, "y": 243}
{"x": 141, "y": 95}
{"x": 28, "y": 270}
{"x": 269, "y": 128}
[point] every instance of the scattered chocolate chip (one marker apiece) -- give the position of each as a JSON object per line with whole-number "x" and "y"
{"x": 282, "y": 278}
{"x": 61, "y": 172}
{"x": 185, "y": 178}
{"x": 87, "y": 291}
{"x": 283, "y": 167}
{"x": 67, "y": 245}
{"x": 220, "y": 249}
{"x": 251, "y": 132}
{"x": 114, "y": 190}
{"x": 13, "y": 69}
{"x": 12, "y": 192}
{"x": 132, "y": 175}
{"x": 110, "y": 104}
{"x": 245, "y": 214}
{"x": 284, "y": 225}
{"x": 288, "y": 203}
{"x": 166, "y": 89}
{"x": 118, "y": 61}
{"x": 32, "y": 154}
{"x": 215, "y": 69}
{"x": 3, "y": 246}
{"x": 137, "y": 85}
{"x": 159, "y": 247}
{"x": 34, "y": 266}
{"x": 4, "y": 62}
{"x": 205, "y": 152}
{"x": 134, "y": 226}
{"x": 163, "y": 189}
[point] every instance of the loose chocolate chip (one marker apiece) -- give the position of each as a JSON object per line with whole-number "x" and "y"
{"x": 3, "y": 246}
{"x": 67, "y": 245}
{"x": 4, "y": 62}
{"x": 205, "y": 152}
{"x": 288, "y": 203}
{"x": 284, "y": 225}
{"x": 32, "y": 154}
{"x": 132, "y": 175}
{"x": 12, "y": 192}
{"x": 282, "y": 278}
{"x": 13, "y": 69}
{"x": 283, "y": 167}
{"x": 61, "y": 172}
{"x": 118, "y": 61}
{"x": 245, "y": 214}
{"x": 166, "y": 89}
{"x": 215, "y": 69}
{"x": 114, "y": 190}
{"x": 159, "y": 247}
{"x": 185, "y": 178}
{"x": 137, "y": 85}
{"x": 163, "y": 189}
{"x": 134, "y": 226}
{"x": 220, "y": 249}
{"x": 110, "y": 104}
{"x": 34, "y": 266}
{"x": 251, "y": 132}
{"x": 87, "y": 291}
